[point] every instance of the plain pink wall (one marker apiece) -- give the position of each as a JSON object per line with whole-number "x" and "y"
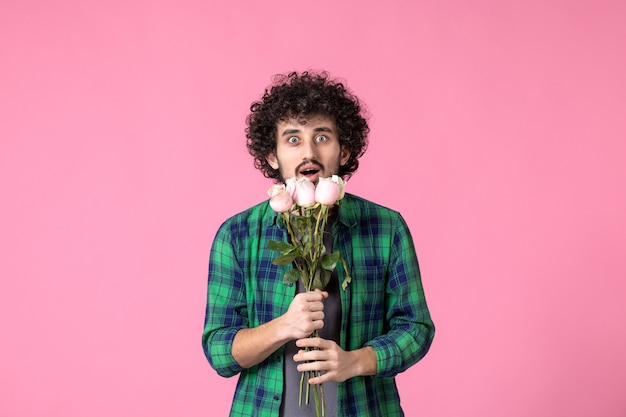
{"x": 498, "y": 130}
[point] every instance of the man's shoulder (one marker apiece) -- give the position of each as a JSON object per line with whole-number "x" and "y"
{"x": 360, "y": 206}
{"x": 251, "y": 218}
{"x": 240, "y": 231}
{"x": 367, "y": 215}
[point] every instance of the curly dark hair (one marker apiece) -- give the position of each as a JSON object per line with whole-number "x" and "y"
{"x": 301, "y": 95}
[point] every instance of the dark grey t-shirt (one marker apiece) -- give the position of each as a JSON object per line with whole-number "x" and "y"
{"x": 330, "y": 331}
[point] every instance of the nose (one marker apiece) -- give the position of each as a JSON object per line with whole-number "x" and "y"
{"x": 309, "y": 150}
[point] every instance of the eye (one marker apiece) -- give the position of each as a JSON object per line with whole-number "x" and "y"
{"x": 293, "y": 139}
{"x": 321, "y": 138}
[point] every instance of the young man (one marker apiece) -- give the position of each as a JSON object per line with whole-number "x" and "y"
{"x": 307, "y": 125}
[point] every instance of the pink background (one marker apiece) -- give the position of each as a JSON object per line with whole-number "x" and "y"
{"x": 498, "y": 131}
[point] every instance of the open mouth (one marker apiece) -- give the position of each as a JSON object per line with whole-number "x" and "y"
{"x": 311, "y": 171}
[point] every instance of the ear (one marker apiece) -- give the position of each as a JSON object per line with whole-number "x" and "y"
{"x": 272, "y": 160}
{"x": 344, "y": 156}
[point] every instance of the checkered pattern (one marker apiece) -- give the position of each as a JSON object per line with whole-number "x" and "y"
{"x": 383, "y": 307}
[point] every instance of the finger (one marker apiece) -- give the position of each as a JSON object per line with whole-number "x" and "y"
{"x": 311, "y": 355}
{"x": 316, "y": 315}
{"x": 313, "y": 366}
{"x": 314, "y": 342}
{"x": 315, "y": 295}
{"x": 317, "y": 324}
{"x": 322, "y": 294}
{"x": 316, "y": 306}
{"x": 325, "y": 377}
{"x": 310, "y": 324}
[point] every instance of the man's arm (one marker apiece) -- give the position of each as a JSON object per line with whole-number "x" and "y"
{"x": 411, "y": 329}
{"x": 230, "y": 343}
{"x": 304, "y": 316}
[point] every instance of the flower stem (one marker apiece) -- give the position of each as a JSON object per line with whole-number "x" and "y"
{"x": 323, "y": 401}
{"x": 317, "y": 401}
{"x": 301, "y": 388}
{"x": 308, "y": 387}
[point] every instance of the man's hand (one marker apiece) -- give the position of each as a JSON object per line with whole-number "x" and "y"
{"x": 304, "y": 316}
{"x": 337, "y": 363}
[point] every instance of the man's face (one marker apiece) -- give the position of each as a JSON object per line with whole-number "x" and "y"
{"x": 307, "y": 147}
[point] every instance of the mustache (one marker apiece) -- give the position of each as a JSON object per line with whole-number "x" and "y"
{"x": 309, "y": 162}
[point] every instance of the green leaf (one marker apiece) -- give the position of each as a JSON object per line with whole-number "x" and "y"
{"x": 291, "y": 276}
{"x": 325, "y": 278}
{"x": 285, "y": 259}
{"x": 282, "y": 247}
{"x": 329, "y": 261}
{"x": 307, "y": 248}
{"x": 300, "y": 224}
{"x": 317, "y": 280}
{"x": 305, "y": 280}
{"x": 347, "y": 280}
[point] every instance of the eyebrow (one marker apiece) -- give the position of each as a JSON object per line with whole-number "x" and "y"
{"x": 317, "y": 129}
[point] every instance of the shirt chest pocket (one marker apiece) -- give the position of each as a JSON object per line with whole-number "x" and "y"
{"x": 368, "y": 289}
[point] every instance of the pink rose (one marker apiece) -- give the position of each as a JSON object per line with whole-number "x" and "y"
{"x": 275, "y": 189}
{"x": 342, "y": 185}
{"x": 329, "y": 190}
{"x": 290, "y": 184}
{"x": 280, "y": 199}
{"x": 326, "y": 192}
{"x": 304, "y": 193}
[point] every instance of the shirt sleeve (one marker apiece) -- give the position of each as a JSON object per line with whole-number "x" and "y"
{"x": 411, "y": 329}
{"x": 226, "y": 310}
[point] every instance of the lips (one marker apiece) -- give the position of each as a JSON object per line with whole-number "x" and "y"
{"x": 309, "y": 169}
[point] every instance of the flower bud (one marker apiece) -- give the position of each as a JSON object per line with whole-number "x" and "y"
{"x": 342, "y": 185}
{"x": 280, "y": 199}
{"x": 304, "y": 194}
{"x": 327, "y": 191}
{"x": 275, "y": 189}
{"x": 290, "y": 185}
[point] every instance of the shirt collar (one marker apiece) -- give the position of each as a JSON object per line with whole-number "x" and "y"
{"x": 349, "y": 211}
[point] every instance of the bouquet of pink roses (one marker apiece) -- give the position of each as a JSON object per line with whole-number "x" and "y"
{"x": 305, "y": 208}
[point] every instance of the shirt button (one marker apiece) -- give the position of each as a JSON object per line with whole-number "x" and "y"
{"x": 276, "y": 398}
{"x": 278, "y": 358}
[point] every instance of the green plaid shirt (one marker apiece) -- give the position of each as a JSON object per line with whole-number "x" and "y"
{"x": 383, "y": 307}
